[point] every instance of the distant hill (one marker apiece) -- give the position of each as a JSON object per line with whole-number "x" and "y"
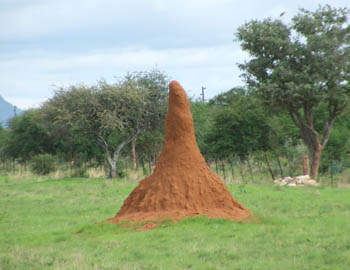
{"x": 6, "y": 111}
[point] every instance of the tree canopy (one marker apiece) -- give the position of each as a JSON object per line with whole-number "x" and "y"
{"x": 27, "y": 136}
{"x": 301, "y": 66}
{"x": 112, "y": 114}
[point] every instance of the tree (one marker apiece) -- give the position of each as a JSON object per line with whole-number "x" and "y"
{"x": 73, "y": 145}
{"x": 202, "y": 121}
{"x": 27, "y": 137}
{"x": 301, "y": 66}
{"x": 112, "y": 114}
{"x": 240, "y": 125}
{"x": 149, "y": 145}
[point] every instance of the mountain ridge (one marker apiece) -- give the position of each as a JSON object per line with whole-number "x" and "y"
{"x": 7, "y": 111}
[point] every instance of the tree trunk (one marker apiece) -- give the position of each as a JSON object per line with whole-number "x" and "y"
{"x": 143, "y": 166}
{"x": 241, "y": 169}
{"x": 223, "y": 169}
{"x": 216, "y": 167}
{"x": 134, "y": 155}
{"x": 260, "y": 170}
{"x": 250, "y": 169}
{"x": 279, "y": 164}
{"x": 154, "y": 158}
{"x": 305, "y": 165}
{"x": 315, "y": 156}
{"x": 269, "y": 165}
{"x": 113, "y": 156}
{"x": 232, "y": 171}
{"x": 113, "y": 160}
{"x": 150, "y": 166}
{"x": 113, "y": 170}
{"x": 332, "y": 176}
{"x": 311, "y": 137}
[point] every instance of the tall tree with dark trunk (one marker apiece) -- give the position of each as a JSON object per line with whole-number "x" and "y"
{"x": 301, "y": 66}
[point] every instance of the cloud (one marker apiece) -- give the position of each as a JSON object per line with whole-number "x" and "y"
{"x": 195, "y": 66}
{"x": 63, "y": 42}
{"x": 134, "y": 21}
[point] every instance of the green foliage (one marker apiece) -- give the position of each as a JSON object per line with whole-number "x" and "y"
{"x": 154, "y": 85}
{"x": 202, "y": 121}
{"x": 284, "y": 135}
{"x": 71, "y": 144}
{"x": 122, "y": 173}
{"x": 149, "y": 144}
{"x": 3, "y": 137}
{"x": 293, "y": 71}
{"x": 336, "y": 153}
{"x": 43, "y": 164}
{"x": 240, "y": 125}
{"x": 27, "y": 136}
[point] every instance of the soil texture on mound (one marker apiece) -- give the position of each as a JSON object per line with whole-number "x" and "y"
{"x": 182, "y": 185}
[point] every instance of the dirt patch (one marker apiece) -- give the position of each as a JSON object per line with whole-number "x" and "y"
{"x": 182, "y": 185}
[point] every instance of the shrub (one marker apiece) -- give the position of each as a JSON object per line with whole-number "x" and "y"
{"x": 122, "y": 173}
{"x": 43, "y": 164}
{"x": 79, "y": 172}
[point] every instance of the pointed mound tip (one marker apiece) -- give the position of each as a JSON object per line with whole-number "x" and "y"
{"x": 174, "y": 84}
{"x": 176, "y": 93}
{"x": 175, "y": 87}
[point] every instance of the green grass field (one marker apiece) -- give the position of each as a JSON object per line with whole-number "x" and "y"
{"x": 59, "y": 224}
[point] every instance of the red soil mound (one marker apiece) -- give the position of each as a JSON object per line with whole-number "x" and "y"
{"x": 182, "y": 185}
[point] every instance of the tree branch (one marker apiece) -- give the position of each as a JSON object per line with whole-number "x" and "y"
{"x": 327, "y": 130}
{"x": 291, "y": 113}
{"x": 308, "y": 117}
{"x": 101, "y": 139}
{"x": 333, "y": 112}
{"x": 305, "y": 125}
{"x": 127, "y": 141}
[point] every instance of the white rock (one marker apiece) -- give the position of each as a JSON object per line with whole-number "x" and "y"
{"x": 303, "y": 178}
{"x": 287, "y": 179}
{"x": 299, "y": 181}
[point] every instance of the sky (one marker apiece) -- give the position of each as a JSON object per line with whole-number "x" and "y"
{"x": 47, "y": 44}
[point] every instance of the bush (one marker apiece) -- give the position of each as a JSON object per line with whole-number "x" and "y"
{"x": 79, "y": 172}
{"x": 43, "y": 164}
{"x": 122, "y": 173}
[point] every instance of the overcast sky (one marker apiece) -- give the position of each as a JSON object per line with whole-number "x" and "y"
{"x": 45, "y": 44}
